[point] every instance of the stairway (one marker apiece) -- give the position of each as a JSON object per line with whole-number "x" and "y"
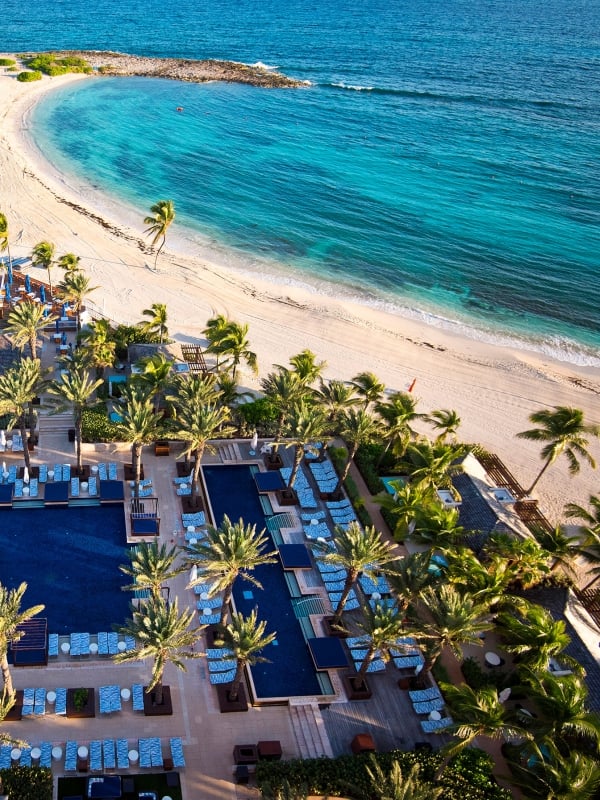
{"x": 229, "y": 453}
{"x": 54, "y": 429}
{"x": 309, "y": 730}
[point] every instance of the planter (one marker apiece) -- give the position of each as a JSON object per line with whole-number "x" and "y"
{"x": 182, "y": 470}
{"x": 330, "y": 629}
{"x": 130, "y": 473}
{"x": 151, "y": 709}
{"x": 228, "y": 706}
{"x": 356, "y": 692}
{"x": 273, "y": 461}
{"x": 80, "y": 707}
{"x": 287, "y": 497}
{"x": 16, "y": 712}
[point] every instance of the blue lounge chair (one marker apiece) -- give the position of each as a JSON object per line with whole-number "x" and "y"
{"x": 102, "y": 472}
{"x": 28, "y": 701}
{"x": 5, "y": 759}
{"x": 222, "y": 665}
{"x": 145, "y": 753}
{"x": 122, "y": 754}
{"x": 93, "y": 486}
{"x": 185, "y": 479}
{"x": 112, "y": 471}
{"x": 184, "y": 490}
{"x": 66, "y": 472}
{"x": 113, "y": 643}
{"x": 12, "y": 474}
{"x": 222, "y": 677}
{"x": 434, "y": 725}
{"x": 74, "y": 487}
{"x": 43, "y": 474}
{"x": 129, "y": 643}
{"x": 25, "y": 760}
{"x": 209, "y": 602}
{"x": 46, "y": 755}
{"x": 102, "y": 643}
{"x": 218, "y": 652}
{"x": 39, "y": 704}
{"x": 95, "y": 755}
{"x": 209, "y": 619}
{"x": 108, "y": 754}
{"x": 420, "y": 695}
{"x": 429, "y": 705}
{"x": 57, "y": 472}
{"x": 18, "y": 488}
{"x": 53, "y": 645}
{"x": 409, "y": 662}
{"x": 110, "y": 699}
{"x": 137, "y": 697}
{"x": 33, "y": 487}
{"x": 377, "y": 665}
{"x": 156, "y": 752}
{"x": 198, "y": 518}
{"x": 177, "y": 752}
{"x": 60, "y": 704}
{"x": 71, "y": 756}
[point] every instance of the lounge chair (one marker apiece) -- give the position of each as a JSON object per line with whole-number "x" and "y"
{"x": 218, "y": 652}
{"x": 198, "y": 518}
{"x": 110, "y": 699}
{"x": 335, "y": 597}
{"x": 113, "y": 643}
{"x": 102, "y": 643}
{"x": 60, "y": 704}
{"x": 33, "y": 487}
{"x": 209, "y": 619}
{"x": 137, "y": 697}
{"x": 420, "y": 695}
{"x": 434, "y": 725}
{"x": 102, "y": 472}
{"x": 66, "y": 472}
{"x": 71, "y": 756}
{"x": 177, "y": 752}
{"x": 18, "y": 487}
{"x": 12, "y": 474}
{"x": 409, "y": 662}
{"x": 57, "y": 472}
{"x": 184, "y": 490}
{"x": 92, "y": 486}
{"x": 74, "y": 487}
{"x": 28, "y": 701}
{"x": 43, "y": 473}
{"x": 222, "y": 677}
{"x": 122, "y": 754}
{"x": 95, "y": 755}
{"x": 222, "y": 665}
{"x": 334, "y": 586}
{"x": 209, "y": 602}
{"x": 429, "y": 705}
{"x": 108, "y": 754}
{"x": 156, "y": 752}
{"x": 314, "y": 515}
{"x": 5, "y": 756}
{"x": 377, "y": 665}
{"x": 25, "y": 760}
{"x": 53, "y": 645}
{"x": 46, "y": 755}
{"x": 112, "y": 471}
{"x": 129, "y": 643}
{"x": 39, "y": 704}
{"x": 186, "y": 479}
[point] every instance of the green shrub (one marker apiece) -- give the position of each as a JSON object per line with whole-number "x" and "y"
{"x": 7, "y": 62}
{"x": 27, "y": 783}
{"x": 29, "y": 77}
{"x": 50, "y": 65}
{"x": 260, "y": 415}
{"x": 97, "y": 427}
{"x": 366, "y": 460}
{"x": 478, "y": 678}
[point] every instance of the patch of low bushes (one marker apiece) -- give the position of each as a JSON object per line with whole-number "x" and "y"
{"x": 97, "y": 427}
{"x": 49, "y": 64}
{"x": 477, "y": 677}
{"x": 7, "y": 62}
{"x": 468, "y": 776}
{"x": 29, "y": 77}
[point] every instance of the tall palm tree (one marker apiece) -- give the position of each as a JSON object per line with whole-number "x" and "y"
{"x": 409, "y": 576}
{"x": 98, "y": 344}
{"x": 234, "y": 344}
{"x": 562, "y": 549}
{"x": 197, "y": 425}
{"x": 73, "y": 289}
{"x": 187, "y": 391}
{"x": 246, "y": 637}
{"x": 151, "y": 566}
{"x": 380, "y": 629}
{"x": 139, "y": 425}
{"x": 41, "y": 256}
{"x": 163, "y": 635}
{"x": 356, "y": 428}
{"x": 479, "y": 712}
{"x": 305, "y": 424}
{"x": 157, "y": 322}
{"x": 163, "y": 214}
{"x": 535, "y": 637}
{"x": 434, "y": 463}
{"x": 25, "y": 323}
{"x": 393, "y": 784}
{"x": 335, "y": 397}
{"x": 216, "y": 327}
{"x": 563, "y": 431}
{"x": 231, "y": 551}
{"x": 69, "y": 262}
{"x": 154, "y": 375}
{"x": 409, "y": 503}
{"x": 74, "y": 390}
{"x": 11, "y": 616}
{"x": 398, "y": 414}
{"x": 4, "y": 235}
{"x": 590, "y": 517}
{"x": 446, "y": 421}
{"x": 357, "y": 552}
{"x": 306, "y": 366}
{"x": 283, "y": 388}
{"x": 447, "y": 618}
{"x": 18, "y": 386}
{"x": 524, "y": 557}
{"x": 369, "y": 387}
{"x": 486, "y": 582}
{"x": 557, "y": 777}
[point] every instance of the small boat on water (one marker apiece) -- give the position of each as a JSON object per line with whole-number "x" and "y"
{"x": 179, "y": 108}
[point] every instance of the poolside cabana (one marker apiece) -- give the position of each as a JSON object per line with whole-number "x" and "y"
{"x": 144, "y": 517}
{"x": 30, "y": 650}
{"x": 111, "y": 492}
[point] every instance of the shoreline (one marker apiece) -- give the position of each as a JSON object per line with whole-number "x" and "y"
{"x": 494, "y": 388}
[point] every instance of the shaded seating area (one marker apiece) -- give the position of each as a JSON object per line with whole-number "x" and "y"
{"x": 144, "y": 517}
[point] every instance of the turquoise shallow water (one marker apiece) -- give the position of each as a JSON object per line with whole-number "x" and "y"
{"x": 443, "y": 163}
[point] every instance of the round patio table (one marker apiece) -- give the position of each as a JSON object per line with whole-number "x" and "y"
{"x": 15, "y": 753}
{"x": 125, "y": 694}
{"x": 204, "y": 595}
{"x": 121, "y": 646}
{"x": 207, "y": 611}
{"x": 82, "y": 751}
{"x": 65, "y": 648}
{"x": 93, "y": 648}
{"x": 133, "y": 756}
{"x": 84, "y": 486}
{"x": 435, "y": 715}
{"x": 35, "y": 753}
{"x": 492, "y": 659}
{"x": 56, "y": 753}
{"x": 51, "y": 697}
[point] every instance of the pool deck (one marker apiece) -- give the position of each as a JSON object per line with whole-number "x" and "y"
{"x": 208, "y": 736}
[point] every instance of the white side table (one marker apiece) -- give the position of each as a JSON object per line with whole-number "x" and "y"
{"x": 65, "y": 648}
{"x": 133, "y": 756}
{"x": 57, "y": 753}
{"x": 125, "y": 694}
{"x": 51, "y": 697}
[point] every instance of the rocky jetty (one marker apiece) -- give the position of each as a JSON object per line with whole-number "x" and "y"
{"x": 183, "y": 69}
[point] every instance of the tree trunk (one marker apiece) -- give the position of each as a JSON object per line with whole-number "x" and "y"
{"x": 33, "y": 345}
{"x": 196, "y": 475}
{"x": 24, "y": 437}
{"x": 78, "y": 434}
{"x": 297, "y": 459}
{"x": 225, "y": 606}
{"x": 344, "y": 474}
{"x": 350, "y": 580}
{"x": 362, "y": 673}
{"x": 136, "y": 462}
{"x": 7, "y": 677}
{"x": 158, "y": 693}
{"x": 235, "y": 684}
{"x": 535, "y": 483}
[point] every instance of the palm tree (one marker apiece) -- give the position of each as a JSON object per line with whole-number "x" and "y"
{"x": 369, "y": 387}
{"x": 409, "y": 577}
{"x": 397, "y": 415}
{"x": 99, "y": 346}
{"x": 139, "y": 425}
{"x": 233, "y": 343}
{"x": 356, "y": 428}
{"x": 446, "y": 421}
{"x": 335, "y": 397}
{"x": 154, "y": 375}
{"x": 25, "y": 323}
{"x": 157, "y": 323}
{"x": 557, "y": 777}
{"x": 591, "y": 517}
{"x": 229, "y": 552}
{"x": 563, "y": 431}
{"x": 187, "y": 392}
{"x": 524, "y": 557}
{"x": 485, "y": 582}
{"x": 283, "y": 388}
{"x": 41, "y": 256}
{"x": 162, "y": 634}
{"x": 380, "y": 629}
{"x": 305, "y": 424}
{"x": 4, "y": 235}
{"x": 357, "y": 552}
{"x": 158, "y": 224}
{"x": 438, "y": 527}
{"x": 394, "y": 785}
{"x": 246, "y": 638}
{"x": 307, "y": 368}
{"x": 152, "y": 565}
{"x": 535, "y": 637}
{"x": 216, "y": 327}
{"x": 450, "y": 619}
{"x": 18, "y": 386}
{"x": 73, "y": 289}
{"x": 11, "y": 617}
{"x": 562, "y": 548}
{"x": 74, "y": 389}
{"x": 479, "y": 712}
{"x": 410, "y": 502}
{"x": 69, "y": 262}
{"x": 197, "y": 425}
{"x": 434, "y": 463}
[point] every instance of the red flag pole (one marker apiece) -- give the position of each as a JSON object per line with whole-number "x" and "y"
{"x": 412, "y": 386}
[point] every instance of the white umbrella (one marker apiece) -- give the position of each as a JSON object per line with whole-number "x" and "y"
{"x": 254, "y": 441}
{"x": 193, "y": 574}
{"x": 25, "y": 475}
{"x": 2, "y": 438}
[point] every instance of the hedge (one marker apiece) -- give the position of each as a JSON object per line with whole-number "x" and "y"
{"x": 29, "y": 77}
{"x": 27, "y": 783}
{"x": 97, "y": 427}
{"x": 7, "y": 62}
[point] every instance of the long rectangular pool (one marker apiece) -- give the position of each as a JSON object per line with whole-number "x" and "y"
{"x": 289, "y": 671}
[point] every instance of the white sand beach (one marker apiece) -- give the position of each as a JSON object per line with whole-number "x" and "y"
{"x": 494, "y": 389}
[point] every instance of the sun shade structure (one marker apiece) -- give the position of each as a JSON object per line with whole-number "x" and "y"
{"x": 294, "y": 556}
{"x": 268, "y": 481}
{"x": 327, "y": 653}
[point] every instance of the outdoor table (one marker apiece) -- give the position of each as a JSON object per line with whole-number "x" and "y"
{"x": 204, "y": 595}
{"x": 435, "y": 715}
{"x": 193, "y": 541}
{"x": 82, "y": 751}
{"x": 492, "y": 659}
{"x": 65, "y": 648}
{"x": 133, "y": 756}
{"x": 125, "y": 694}
{"x": 94, "y": 469}
{"x": 35, "y": 753}
{"x": 84, "y": 486}
{"x": 121, "y": 646}
{"x": 57, "y": 753}
{"x": 51, "y": 697}
{"x": 93, "y": 648}
{"x": 15, "y": 753}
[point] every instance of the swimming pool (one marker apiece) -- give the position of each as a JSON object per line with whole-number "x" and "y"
{"x": 290, "y": 673}
{"x": 69, "y": 558}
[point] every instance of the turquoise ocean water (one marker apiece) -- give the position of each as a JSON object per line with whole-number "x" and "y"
{"x": 444, "y": 160}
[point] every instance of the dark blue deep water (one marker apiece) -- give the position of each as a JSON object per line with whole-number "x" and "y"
{"x": 69, "y": 559}
{"x": 444, "y": 161}
{"x": 290, "y": 671}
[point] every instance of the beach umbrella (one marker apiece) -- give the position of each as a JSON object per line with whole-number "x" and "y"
{"x": 25, "y": 475}
{"x": 27, "y": 284}
{"x": 43, "y": 294}
{"x": 193, "y": 574}
{"x": 2, "y": 438}
{"x": 254, "y": 441}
